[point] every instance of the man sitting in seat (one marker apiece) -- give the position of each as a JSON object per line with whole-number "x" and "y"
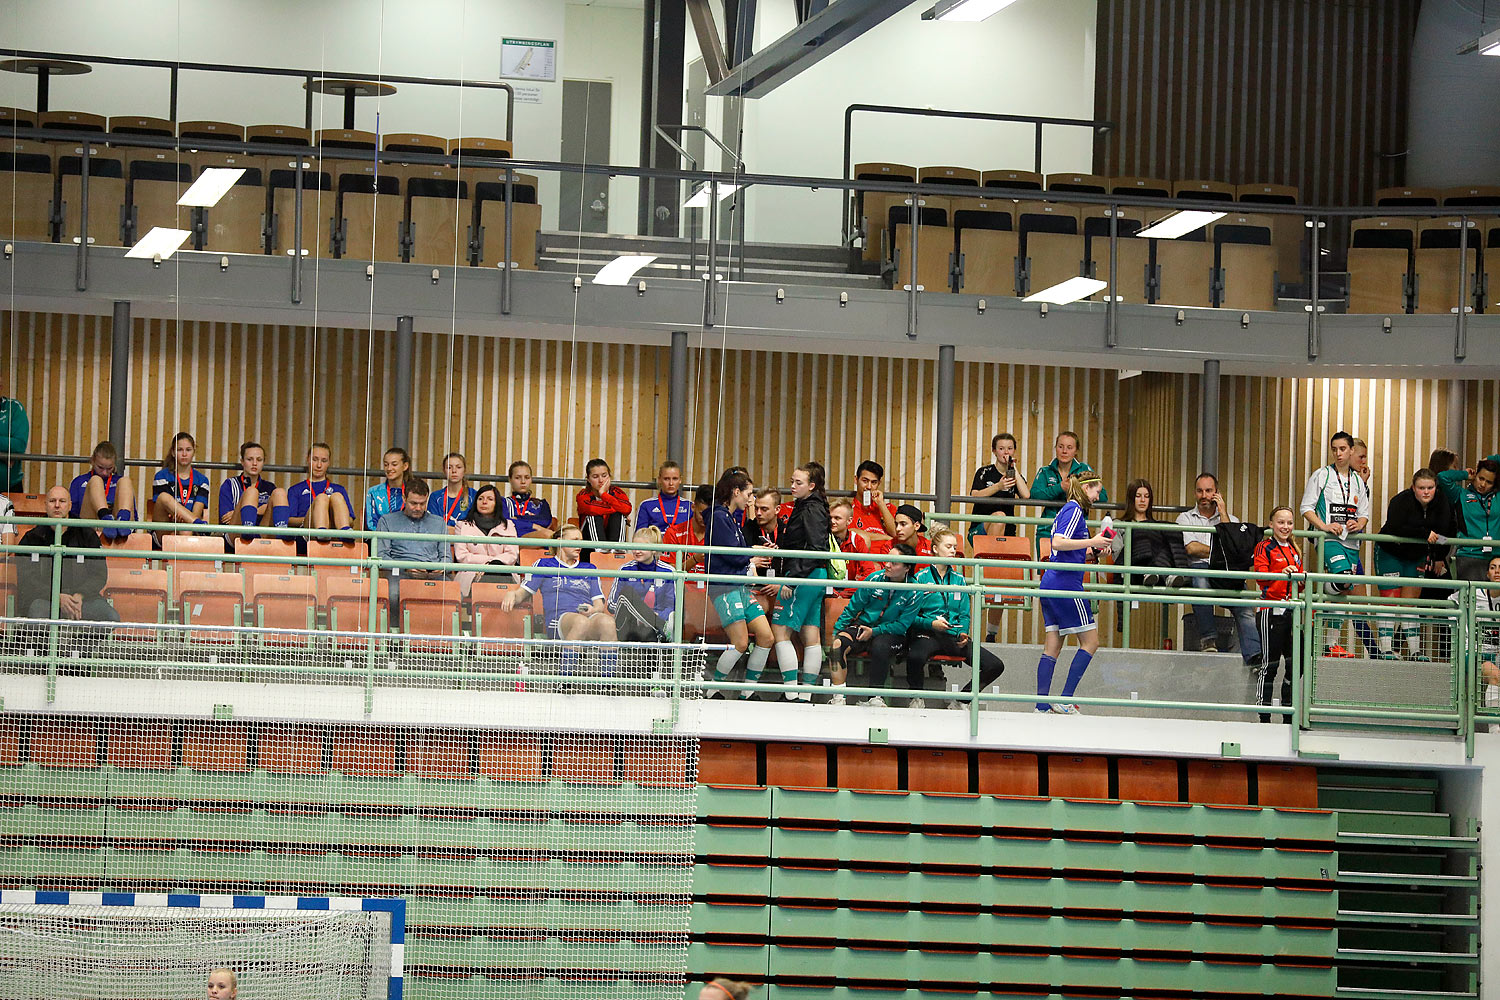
{"x": 83, "y": 578}
{"x": 690, "y": 532}
{"x": 841, "y": 519}
{"x": 875, "y": 622}
{"x": 413, "y": 518}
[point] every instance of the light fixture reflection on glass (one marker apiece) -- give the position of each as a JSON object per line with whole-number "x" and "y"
{"x": 1179, "y": 224}
{"x": 620, "y": 270}
{"x": 159, "y": 243}
{"x": 211, "y": 185}
{"x": 965, "y": 10}
{"x": 1071, "y": 290}
{"x": 699, "y": 198}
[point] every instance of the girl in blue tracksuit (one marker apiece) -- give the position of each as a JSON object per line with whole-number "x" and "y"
{"x": 739, "y": 611}
{"x": 1065, "y": 616}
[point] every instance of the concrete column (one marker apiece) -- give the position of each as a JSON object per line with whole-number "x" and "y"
{"x": 677, "y": 395}
{"x": 401, "y": 384}
{"x": 942, "y": 463}
{"x": 1209, "y": 449}
{"x": 1458, "y": 398}
{"x": 119, "y": 376}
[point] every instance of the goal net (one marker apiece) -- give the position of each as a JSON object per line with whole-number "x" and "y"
{"x": 276, "y": 951}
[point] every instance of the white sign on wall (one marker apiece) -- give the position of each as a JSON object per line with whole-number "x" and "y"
{"x": 528, "y": 59}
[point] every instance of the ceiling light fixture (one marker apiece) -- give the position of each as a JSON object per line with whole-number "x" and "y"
{"x": 699, "y": 198}
{"x": 1486, "y": 44}
{"x": 965, "y": 10}
{"x": 620, "y": 270}
{"x": 1179, "y": 224}
{"x": 159, "y": 243}
{"x": 211, "y": 185}
{"x": 1071, "y": 290}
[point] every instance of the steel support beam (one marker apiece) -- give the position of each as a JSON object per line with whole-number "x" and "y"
{"x": 401, "y": 383}
{"x": 119, "y": 376}
{"x": 1208, "y": 456}
{"x": 942, "y": 464}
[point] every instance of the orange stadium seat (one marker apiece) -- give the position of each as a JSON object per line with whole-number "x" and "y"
{"x": 1290, "y": 786}
{"x": 365, "y": 752}
{"x": 288, "y": 603}
{"x": 145, "y": 746}
{"x": 1218, "y": 782}
{"x": 290, "y": 749}
{"x": 590, "y": 762}
{"x": 512, "y": 757}
{"x": 1014, "y": 547}
{"x": 277, "y": 548}
{"x": 216, "y": 746}
{"x": 1380, "y": 253}
{"x": 138, "y": 595}
{"x": 59, "y": 743}
{"x": 215, "y": 599}
{"x": 726, "y": 762}
{"x": 933, "y": 771}
{"x": 492, "y": 621}
{"x": 1436, "y": 268}
{"x": 797, "y": 765}
{"x": 429, "y": 608}
{"x": 868, "y": 768}
{"x": 1075, "y": 776}
{"x": 1148, "y": 779}
{"x": 1005, "y": 772}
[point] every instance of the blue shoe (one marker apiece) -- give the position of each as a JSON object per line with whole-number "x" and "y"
{"x": 108, "y": 534}
{"x": 123, "y": 516}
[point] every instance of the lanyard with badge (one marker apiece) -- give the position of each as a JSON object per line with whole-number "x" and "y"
{"x": 185, "y": 492}
{"x": 1485, "y": 500}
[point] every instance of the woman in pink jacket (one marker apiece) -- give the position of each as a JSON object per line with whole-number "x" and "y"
{"x": 474, "y": 545}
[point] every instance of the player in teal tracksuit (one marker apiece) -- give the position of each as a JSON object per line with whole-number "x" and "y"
{"x": 1051, "y": 480}
{"x": 875, "y": 622}
{"x": 942, "y": 624}
{"x": 1479, "y": 515}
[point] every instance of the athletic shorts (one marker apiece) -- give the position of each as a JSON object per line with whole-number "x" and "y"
{"x": 1067, "y": 615}
{"x": 737, "y": 604}
{"x": 1389, "y": 565}
{"x": 805, "y": 607}
{"x": 1339, "y": 558}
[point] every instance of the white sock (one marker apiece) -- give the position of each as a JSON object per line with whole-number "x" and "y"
{"x": 1413, "y": 640}
{"x": 758, "y": 657}
{"x": 786, "y": 659}
{"x": 1334, "y": 635}
{"x": 727, "y": 660}
{"x": 812, "y": 664}
{"x": 1491, "y": 695}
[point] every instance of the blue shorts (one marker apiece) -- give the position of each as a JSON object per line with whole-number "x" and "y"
{"x": 1067, "y": 615}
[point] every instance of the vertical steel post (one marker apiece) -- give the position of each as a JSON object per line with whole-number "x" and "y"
{"x": 1208, "y": 451}
{"x": 1313, "y": 347}
{"x": 510, "y": 235}
{"x": 710, "y": 303}
{"x": 81, "y": 278}
{"x": 911, "y": 298}
{"x": 119, "y": 377}
{"x": 1461, "y": 333}
{"x": 297, "y": 233}
{"x": 942, "y": 459}
{"x": 677, "y": 398}
{"x": 1112, "y": 293}
{"x": 401, "y": 389}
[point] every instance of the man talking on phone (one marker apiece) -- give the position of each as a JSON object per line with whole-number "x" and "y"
{"x": 1211, "y": 511}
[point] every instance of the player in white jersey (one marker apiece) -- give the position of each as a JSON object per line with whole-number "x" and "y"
{"x": 1337, "y": 503}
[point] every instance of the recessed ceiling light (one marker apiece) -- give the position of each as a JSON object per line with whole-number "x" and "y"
{"x": 1179, "y": 224}
{"x": 1071, "y": 290}
{"x": 159, "y": 243}
{"x": 620, "y": 270}
{"x": 211, "y": 185}
{"x": 965, "y": 10}
{"x": 699, "y": 198}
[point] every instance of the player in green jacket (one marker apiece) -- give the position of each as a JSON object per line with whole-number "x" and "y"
{"x": 875, "y": 622}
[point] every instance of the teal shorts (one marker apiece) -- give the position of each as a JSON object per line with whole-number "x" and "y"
{"x": 737, "y": 605}
{"x": 1389, "y": 565}
{"x": 1339, "y": 558}
{"x": 805, "y": 607}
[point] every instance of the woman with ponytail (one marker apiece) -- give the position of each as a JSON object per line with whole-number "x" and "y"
{"x": 1065, "y": 616}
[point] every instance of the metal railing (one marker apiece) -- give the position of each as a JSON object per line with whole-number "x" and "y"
{"x": 467, "y": 654}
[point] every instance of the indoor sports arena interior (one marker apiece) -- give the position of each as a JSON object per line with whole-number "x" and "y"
{"x": 749, "y": 499}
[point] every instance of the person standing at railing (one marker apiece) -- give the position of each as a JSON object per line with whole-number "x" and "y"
{"x": 799, "y": 610}
{"x": 1337, "y": 503}
{"x": 1051, "y": 481}
{"x": 179, "y": 493}
{"x": 1487, "y": 602}
{"x": 389, "y": 497}
{"x": 875, "y": 622}
{"x": 15, "y": 432}
{"x": 996, "y": 482}
{"x": 83, "y": 577}
{"x": 102, "y": 492}
{"x": 739, "y": 612}
{"x": 1065, "y": 616}
{"x": 1277, "y": 554}
{"x": 1210, "y": 512}
{"x": 942, "y": 623}
{"x": 1419, "y": 512}
{"x": 1473, "y": 493}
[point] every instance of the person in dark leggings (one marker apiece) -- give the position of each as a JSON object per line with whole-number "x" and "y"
{"x": 942, "y": 626}
{"x": 1277, "y": 554}
{"x": 875, "y": 622}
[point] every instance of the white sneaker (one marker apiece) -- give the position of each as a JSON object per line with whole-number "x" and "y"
{"x": 961, "y": 706}
{"x": 875, "y": 702}
{"x": 1491, "y": 695}
{"x": 792, "y": 695}
{"x": 917, "y": 703}
{"x": 837, "y": 699}
{"x": 1066, "y": 709}
{"x": 1042, "y": 711}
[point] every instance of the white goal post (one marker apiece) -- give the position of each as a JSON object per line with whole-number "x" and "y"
{"x": 143, "y": 946}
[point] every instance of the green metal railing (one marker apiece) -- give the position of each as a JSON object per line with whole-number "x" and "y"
{"x": 1307, "y": 602}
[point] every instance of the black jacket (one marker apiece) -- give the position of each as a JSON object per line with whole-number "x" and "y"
{"x": 1233, "y": 547}
{"x": 1157, "y": 548}
{"x": 806, "y": 529}
{"x": 34, "y": 579}
{"x": 1406, "y": 516}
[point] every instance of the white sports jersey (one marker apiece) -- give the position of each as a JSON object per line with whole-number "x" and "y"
{"x": 6, "y": 510}
{"x": 1336, "y": 498}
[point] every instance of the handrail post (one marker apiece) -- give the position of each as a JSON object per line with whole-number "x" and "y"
{"x": 297, "y": 232}
{"x": 505, "y": 268}
{"x": 54, "y": 628}
{"x": 976, "y": 605}
{"x": 1112, "y": 294}
{"x": 710, "y": 303}
{"x": 81, "y": 278}
{"x": 1314, "y": 348}
{"x": 371, "y": 619}
{"x": 911, "y": 298}
{"x": 1298, "y": 635}
{"x": 1464, "y": 662}
{"x": 1125, "y": 526}
{"x": 1461, "y": 332}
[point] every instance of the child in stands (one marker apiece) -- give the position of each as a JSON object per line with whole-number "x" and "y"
{"x": 250, "y": 499}
{"x": 453, "y": 502}
{"x": 603, "y": 509}
{"x": 1277, "y": 554}
{"x": 179, "y": 493}
{"x": 317, "y": 502}
{"x": 383, "y": 498}
{"x": 669, "y": 507}
{"x": 102, "y": 492}
{"x": 573, "y": 605}
{"x": 531, "y": 515}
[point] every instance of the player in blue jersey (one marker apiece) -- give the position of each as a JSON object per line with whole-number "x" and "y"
{"x": 102, "y": 492}
{"x": 1065, "y": 616}
{"x": 248, "y": 498}
{"x": 389, "y": 495}
{"x": 669, "y": 507}
{"x": 531, "y": 515}
{"x": 179, "y": 493}
{"x": 739, "y": 612}
{"x": 573, "y": 606}
{"x": 316, "y": 502}
{"x": 453, "y": 501}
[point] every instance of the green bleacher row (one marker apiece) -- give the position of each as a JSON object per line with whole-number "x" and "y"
{"x": 429, "y": 214}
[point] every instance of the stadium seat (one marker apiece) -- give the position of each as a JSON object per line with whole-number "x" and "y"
{"x": 726, "y": 762}
{"x": 1085, "y": 183}
{"x": 283, "y": 602}
{"x": 492, "y": 621}
{"x": 203, "y": 129}
{"x": 1435, "y": 265}
{"x": 1287, "y": 231}
{"x": 364, "y": 752}
{"x": 141, "y": 125}
{"x": 438, "y": 216}
{"x": 1246, "y": 261}
{"x": 284, "y": 748}
{"x": 26, "y": 191}
{"x": 1482, "y": 196}
{"x": 139, "y": 595}
{"x": 237, "y": 222}
{"x": 414, "y": 142}
{"x": 216, "y": 746}
{"x": 933, "y": 771}
{"x": 699, "y": 618}
{"x": 13, "y": 118}
{"x": 664, "y": 766}
{"x": 477, "y": 145}
{"x": 28, "y": 504}
{"x": 1380, "y": 264}
{"x": 1019, "y": 180}
{"x": 868, "y": 768}
{"x": 584, "y": 760}
{"x": 318, "y": 205}
{"x": 1005, "y": 772}
{"x": 1148, "y": 779}
{"x": 531, "y": 554}
{"x": 1292, "y": 786}
{"x": 10, "y": 743}
{"x": 8, "y": 587}
{"x": 277, "y": 548}
{"x": 1406, "y": 197}
{"x": 106, "y": 195}
{"x": 832, "y": 608}
{"x": 1132, "y": 274}
{"x": 1183, "y": 270}
{"x": 1491, "y": 301}
{"x": 871, "y": 208}
{"x": 1074, "y": 776}
{"x": 489, "y": 219}
{"x": 140, "y": 746}
{"x": 279, "y": 135}
{"x": 429, "y": 608}
{"x": 1051, "y": 245}
{"x": 512, "y": 757}
{"x": 210, "y": 599}
{"x": 1143, "y": 187}
{"x": 1002, "y": 547}
{"x": 934, "y": 257}
{"x": 1218, "y": 782}
{"x": 343, "y": 138}
{"x": 64, "y": 743}
{"x": 325, "y": 548}
{"x": 208, "y": 545}
{"x": 370, "y": 216}
{"x": 73, "y": 121}
{"x": 439, "y": 755}
{"x": 987, "y": 246}
{"x": 957, "y": 176}
{"x": 1202, "y": 190}
{"x": 797, "y": 765}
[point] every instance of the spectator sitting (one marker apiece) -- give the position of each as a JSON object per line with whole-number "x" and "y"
{"x": 1000, "y": 480}
{"x": 413, "y": 517}
{"x": 572, "y": 604}
{"x": 531, "y": 515}
{"x": 388, "y": 497}
{"x": 840, "y": 519}
{"x": 453, "y": 502}
{"x": 873, "y": 514}
{"x": 643, "y": 605}
{"x": 942, "y": 623}
{"x": 875, "y": 621}
{"x": 83, "y": 577}
{"x": 1209, "y": 513}
{"x": 102, "y": 492}
{"x": 486, "y": 520}
{"x": 1147, "y": 548}
{"x": 669, "y": 507}
{"x": 1051, "y": 481}
{"x": 603, "y": 509}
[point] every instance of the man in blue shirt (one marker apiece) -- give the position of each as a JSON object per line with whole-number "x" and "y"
{"x": 669, "y": 507}
{"x": 413, "y": 518}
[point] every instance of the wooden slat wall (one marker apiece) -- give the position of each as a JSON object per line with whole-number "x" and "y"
{"x": 1256, "y": 91}
{"x": 58, "y": 366}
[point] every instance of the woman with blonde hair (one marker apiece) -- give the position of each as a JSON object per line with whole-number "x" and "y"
{"x": 1065, "y": 616}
